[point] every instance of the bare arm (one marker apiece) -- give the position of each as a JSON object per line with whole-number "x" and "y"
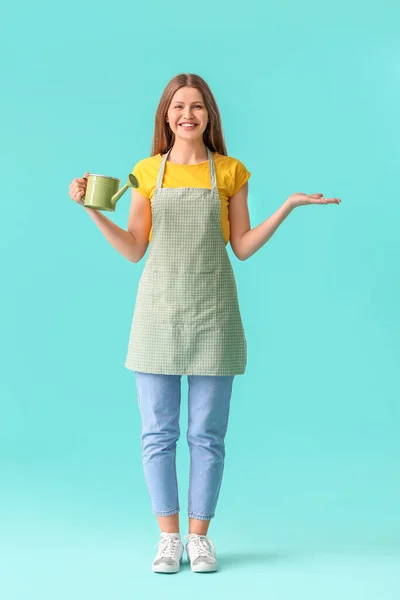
{"x": 244, "y": 240}
{"x": 132, "y": 244}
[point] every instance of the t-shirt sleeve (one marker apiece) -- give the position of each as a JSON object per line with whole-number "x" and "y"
{"x": 139, "y": 172}
{"x": 241, "y": 176}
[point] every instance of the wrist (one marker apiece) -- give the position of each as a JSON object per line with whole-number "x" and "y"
{"x": 289, "y": 205}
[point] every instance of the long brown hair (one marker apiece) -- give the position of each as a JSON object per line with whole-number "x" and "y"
{"x": 164, "y": 138}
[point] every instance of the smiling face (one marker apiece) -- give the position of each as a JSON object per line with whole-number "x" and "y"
{"x": 187, "y": 107}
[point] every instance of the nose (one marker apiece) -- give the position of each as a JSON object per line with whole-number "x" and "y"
{"x": 188, "y": 113}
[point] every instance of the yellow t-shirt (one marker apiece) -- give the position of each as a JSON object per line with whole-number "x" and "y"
{"x": 231, "y": 176}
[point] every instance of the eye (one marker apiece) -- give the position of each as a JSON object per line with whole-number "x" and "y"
{"x": 196, "y": 106}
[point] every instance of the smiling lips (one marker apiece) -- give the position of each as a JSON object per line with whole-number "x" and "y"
{"x": 188, "y": 125}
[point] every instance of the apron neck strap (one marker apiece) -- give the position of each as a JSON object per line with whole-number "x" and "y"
{"x": 213, "y": 176}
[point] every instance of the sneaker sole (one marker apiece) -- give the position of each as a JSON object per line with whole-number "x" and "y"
{"x": 166, "y": 568}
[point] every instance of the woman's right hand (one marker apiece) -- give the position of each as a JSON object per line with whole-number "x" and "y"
{"x": 77, "y": 188}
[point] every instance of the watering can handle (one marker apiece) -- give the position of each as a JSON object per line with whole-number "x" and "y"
{"x": 82, "y": 198}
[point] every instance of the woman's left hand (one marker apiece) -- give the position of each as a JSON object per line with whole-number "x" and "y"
{"x": 300, "y": 199}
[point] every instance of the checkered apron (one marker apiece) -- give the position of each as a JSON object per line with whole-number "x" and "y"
{"x": 186, "y": 319}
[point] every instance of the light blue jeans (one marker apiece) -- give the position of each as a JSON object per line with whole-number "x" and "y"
{"x": 159, "y": 399}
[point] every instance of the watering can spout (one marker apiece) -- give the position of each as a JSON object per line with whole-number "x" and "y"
{"x": 132, "y": 182}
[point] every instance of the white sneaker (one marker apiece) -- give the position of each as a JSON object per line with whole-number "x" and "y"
{"x": 169, "y": 555}
{"x": 201, "y": 553}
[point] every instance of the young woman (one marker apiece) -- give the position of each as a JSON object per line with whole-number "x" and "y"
{"x": 191, "y": 200}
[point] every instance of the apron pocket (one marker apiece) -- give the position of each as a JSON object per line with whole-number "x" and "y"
{"x": 189, "y": 297}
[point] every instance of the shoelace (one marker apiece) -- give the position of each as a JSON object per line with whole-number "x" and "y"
{"x": 201, "y": 545}
{"x": 169, "y": 546}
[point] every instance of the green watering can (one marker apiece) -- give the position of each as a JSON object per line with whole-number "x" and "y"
{"x": 103, "y": 193}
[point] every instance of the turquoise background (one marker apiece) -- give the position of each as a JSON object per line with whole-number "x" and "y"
{"x": 309, "y": 96}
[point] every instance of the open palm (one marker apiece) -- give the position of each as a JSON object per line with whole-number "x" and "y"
{"x": 301, "y": 199}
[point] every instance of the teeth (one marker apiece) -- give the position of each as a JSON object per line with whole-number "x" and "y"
{"x": 186, "y": 125}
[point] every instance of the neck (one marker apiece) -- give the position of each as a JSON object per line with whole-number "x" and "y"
{"x": 187, "y": 152}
